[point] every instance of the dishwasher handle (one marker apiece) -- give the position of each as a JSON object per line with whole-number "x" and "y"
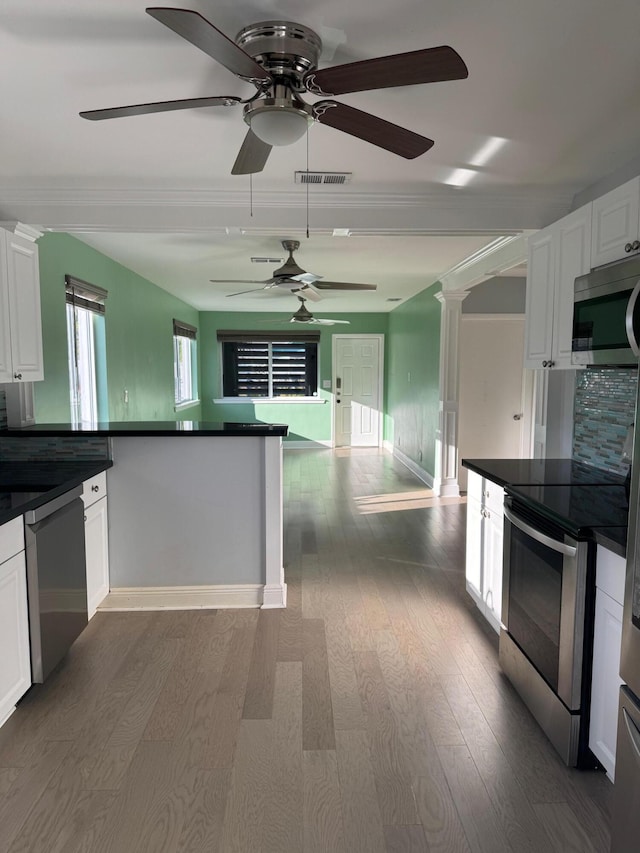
{"x": 560, "y": 547}
{"x": 33, "y": 516}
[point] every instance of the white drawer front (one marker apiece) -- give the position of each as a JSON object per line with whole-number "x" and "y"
{"x": 493, "y": 497}
{"x": 11, "y": 539}
{"x": 94, "y": 489}
{"x": 610, "y": 573}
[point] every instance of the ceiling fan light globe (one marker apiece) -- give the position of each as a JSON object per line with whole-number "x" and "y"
{"x": 279, "y": 126}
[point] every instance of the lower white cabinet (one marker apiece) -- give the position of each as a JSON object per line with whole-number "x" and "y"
{"x": 15, "y": 663}
{"x": 607, "y": 640}
{"x": 96, "y": 540}
{"x": 485, "y": 520}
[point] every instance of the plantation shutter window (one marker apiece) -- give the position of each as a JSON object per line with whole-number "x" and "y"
{"x": 269, "y": 366}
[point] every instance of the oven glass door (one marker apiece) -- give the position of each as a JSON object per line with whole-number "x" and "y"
{"x": 535, "y": 602}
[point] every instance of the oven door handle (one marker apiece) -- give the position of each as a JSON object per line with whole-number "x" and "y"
{"x": 631, "y": 308}
{"x": 633, "y": 732}
{"x": 560, "y": 547}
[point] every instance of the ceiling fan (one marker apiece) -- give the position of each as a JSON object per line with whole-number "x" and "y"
{"x": 280, "y": 59}
{"x": 303, "y": 315}
{"x": 293, "y": 278}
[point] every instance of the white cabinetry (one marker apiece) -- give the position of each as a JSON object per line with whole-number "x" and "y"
{"x": 20, "y": 321}
{"x": 557, "y": 255}
{"x": 15, "y": 665}
{"x": 96, "y": 529}
{"x": 607, "y": 639}
{"x": 484, "y": 545}
{"x": 616, "y": 224}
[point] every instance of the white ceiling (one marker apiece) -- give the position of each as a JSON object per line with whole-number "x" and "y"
{"x": 557, "y": 84}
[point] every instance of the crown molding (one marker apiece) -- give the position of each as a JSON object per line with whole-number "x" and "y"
{"x": 438, "y": 211}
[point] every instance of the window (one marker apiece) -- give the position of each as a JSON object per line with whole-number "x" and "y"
{"x": 269, "y": 365}
{"x": 184, "y": 363}
{"x": 85, "y": 304}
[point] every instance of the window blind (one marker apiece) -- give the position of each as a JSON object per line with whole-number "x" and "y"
{"x": 267, "y": 337}
{"x": 184, "y": 330}
{"x": 85, "y": 295}
{"x": 270, "y": 368}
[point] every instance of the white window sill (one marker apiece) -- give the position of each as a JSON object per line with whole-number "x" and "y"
{"x": 186, "y": 405}
{"x": 278, "y": 401}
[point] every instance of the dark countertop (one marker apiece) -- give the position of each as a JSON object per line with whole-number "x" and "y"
{"x": 613, "y": 538}
{"x": 589, "y": 500}
{"x": 27, "y": 485}
{"x": 149, "y": 428}
{"x": 577, "y": 509}
{"x": 543, "y": 472}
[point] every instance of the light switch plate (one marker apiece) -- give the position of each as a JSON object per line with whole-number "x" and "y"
{"x": 326, "y": 383}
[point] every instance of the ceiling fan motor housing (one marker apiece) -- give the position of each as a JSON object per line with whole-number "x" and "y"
{"x": 286, "y": 50}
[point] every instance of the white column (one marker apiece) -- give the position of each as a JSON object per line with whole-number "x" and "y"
{"x": 275, "y": 589}
{"x": 445, "y": 482}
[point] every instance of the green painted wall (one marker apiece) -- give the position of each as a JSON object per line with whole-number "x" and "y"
{"x": 307, "y": 421}
{"x": 138, "y": 335}
{"x": 413, "y": 377}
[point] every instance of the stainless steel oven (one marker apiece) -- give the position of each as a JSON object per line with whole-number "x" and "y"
{"x": 547, "y": 636}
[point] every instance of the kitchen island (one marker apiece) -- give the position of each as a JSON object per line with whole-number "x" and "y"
{"x": 195, "y": 512}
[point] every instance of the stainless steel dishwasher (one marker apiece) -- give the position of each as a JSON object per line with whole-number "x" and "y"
{"x": 56, "y": 579}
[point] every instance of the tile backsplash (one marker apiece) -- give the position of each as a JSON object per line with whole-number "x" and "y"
{"x": 13, "y": 449}
{"x": 604, "y": 409}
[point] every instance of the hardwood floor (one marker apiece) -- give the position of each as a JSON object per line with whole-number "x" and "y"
{"x": 370, "y": 716}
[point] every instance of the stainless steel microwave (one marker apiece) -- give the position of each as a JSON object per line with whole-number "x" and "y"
{"x": 606, "y": 315}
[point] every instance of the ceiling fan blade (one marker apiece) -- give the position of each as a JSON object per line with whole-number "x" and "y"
{"x": 243, "y": 292}
{"x": 238, "y": 281}
{"x": 371, "y": 129}
{"x": 160, "y": 107}
{"x": 252, "y": 156}
{"x": 307, "y": 292}
{"x": 306, "y": 277}
{"x": 318, "y": 322}
{"x": 431, "y": 65}
{"x": 196, "y": 29}
{"x": 343, "y": 285}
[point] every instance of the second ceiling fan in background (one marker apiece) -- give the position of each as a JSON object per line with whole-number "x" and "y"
{"x": 280, "y": 59}
{"x": 293, "y": 278}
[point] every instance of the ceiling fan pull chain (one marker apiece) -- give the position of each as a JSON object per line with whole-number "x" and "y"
{"x": 307, "y": 187}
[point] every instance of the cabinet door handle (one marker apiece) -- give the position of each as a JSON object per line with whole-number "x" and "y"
{"x": 545, "y": 363}
{"x": 95, "y": 488}
{"x": 635, "y": 245}
{"x": 628, "y": 247}
{"x": 552, "y": 364}
{"x": 17, "y": 376}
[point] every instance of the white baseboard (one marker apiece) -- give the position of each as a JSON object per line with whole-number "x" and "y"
{"x": 305, "y": 445}
{"x": 183, "y": 597}
{"x": 274, "y": 595}
{"x": 96, "y": 600}
{"x": 419, "y": 472}
{"x": 195, "y": 597}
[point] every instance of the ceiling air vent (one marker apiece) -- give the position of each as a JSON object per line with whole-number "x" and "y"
{"x": 334, "y": 178}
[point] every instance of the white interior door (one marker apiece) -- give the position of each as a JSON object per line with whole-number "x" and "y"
{"x": 357, "y": 385}
{"x": 495, "y": 405}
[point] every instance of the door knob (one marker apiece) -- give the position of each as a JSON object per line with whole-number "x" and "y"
{"x": 517, "y": 417}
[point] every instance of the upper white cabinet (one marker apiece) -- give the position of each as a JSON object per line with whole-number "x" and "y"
{"x": 616, "y": 224}
{"x": 557, "y": 255}
{"x": 20, "y": 321}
